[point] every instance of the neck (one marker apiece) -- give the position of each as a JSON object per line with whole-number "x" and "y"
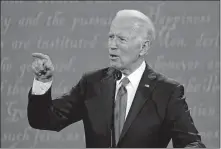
{"x": 132, "y": 68}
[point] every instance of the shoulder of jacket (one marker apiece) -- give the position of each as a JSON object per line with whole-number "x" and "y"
{"x": 95, "y": 75}
{"x": 163, "y": 79}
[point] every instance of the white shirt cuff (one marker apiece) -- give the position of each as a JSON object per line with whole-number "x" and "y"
{"x": 40, "y": 88}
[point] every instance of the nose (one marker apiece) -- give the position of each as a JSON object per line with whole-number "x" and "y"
{"x": 112, "y": 44}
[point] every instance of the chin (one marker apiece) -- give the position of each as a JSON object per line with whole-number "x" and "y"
{"x": 115, "y": 65}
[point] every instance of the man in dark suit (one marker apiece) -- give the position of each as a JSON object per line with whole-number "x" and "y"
{"x": 125, "y": 105}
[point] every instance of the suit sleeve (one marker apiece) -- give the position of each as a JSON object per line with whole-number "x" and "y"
{"x": 183, "y": 130}
{"x": 47, "y": 114}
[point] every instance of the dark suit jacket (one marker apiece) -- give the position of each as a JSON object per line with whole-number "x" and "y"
{"x": 158, "y": 113}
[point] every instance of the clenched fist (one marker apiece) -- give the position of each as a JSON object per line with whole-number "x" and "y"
{"x": 42, "y": 67}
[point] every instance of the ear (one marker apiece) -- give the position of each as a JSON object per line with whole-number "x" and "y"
{"x": 145, "y": 47}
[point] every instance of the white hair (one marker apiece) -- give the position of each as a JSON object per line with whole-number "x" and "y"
{"x": 143, "y": 19}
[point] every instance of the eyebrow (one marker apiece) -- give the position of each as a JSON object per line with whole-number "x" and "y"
{"x": 118, "y": 34}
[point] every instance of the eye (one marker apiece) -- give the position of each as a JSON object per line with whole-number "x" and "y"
{"x": 111, "y": 36}
{"x": 122, "y": 39}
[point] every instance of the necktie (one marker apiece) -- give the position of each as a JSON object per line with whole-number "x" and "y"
{"x": 120, "y": 108}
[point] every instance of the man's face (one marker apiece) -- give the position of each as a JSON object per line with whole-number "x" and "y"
{"x": 124, "y": 43}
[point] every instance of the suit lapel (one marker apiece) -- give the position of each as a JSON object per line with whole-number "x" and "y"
{"x": 145, "y": 87}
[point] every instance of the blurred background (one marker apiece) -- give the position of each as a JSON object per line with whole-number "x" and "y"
{"x": 75, "y": 34}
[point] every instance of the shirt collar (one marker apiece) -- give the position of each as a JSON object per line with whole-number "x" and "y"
{"x": 135, "y": 76}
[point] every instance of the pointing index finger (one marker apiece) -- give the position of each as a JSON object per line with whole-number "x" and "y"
{"x": 39, "y": 55}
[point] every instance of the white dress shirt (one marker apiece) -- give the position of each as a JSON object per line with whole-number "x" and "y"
{"x": 40, "y": 88}
{"x": 134, "y": 78}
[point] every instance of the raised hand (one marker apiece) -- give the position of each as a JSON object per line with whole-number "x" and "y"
{"x": 42, "y": 67}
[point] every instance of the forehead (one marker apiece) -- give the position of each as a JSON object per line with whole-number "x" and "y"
{"x": 124, "y": 26}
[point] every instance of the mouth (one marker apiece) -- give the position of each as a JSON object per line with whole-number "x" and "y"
{"x": 113, "y": 56}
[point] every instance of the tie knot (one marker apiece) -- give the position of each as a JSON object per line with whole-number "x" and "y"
{"x": 125, "y": 81}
